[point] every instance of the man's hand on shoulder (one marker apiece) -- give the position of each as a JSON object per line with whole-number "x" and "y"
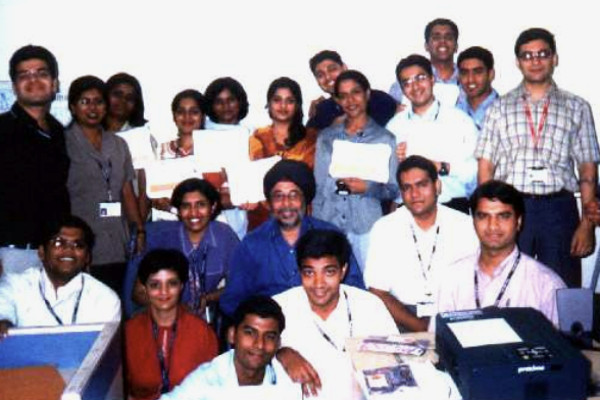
{"x": 312, "y": 111}
{"x": 300, "y": 370}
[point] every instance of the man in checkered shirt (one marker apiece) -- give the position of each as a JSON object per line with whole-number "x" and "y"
{"x": 532, "y": 138}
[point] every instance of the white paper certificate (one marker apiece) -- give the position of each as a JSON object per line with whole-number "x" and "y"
{"x": 216, "y": 149}
{"x": 483, "y": 332}
{"x": 246, "y": 180}
{"x": 368, "y": 161}
{"x": 162, "y": 176}
{"x": 139, "y": 142}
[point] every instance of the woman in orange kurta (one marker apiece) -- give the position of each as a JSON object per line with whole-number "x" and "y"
{"x": 164, "y": 343}
{"x": 286, "y": 137}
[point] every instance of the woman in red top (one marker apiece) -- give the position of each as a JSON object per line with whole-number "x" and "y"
{"x": 165, "y": 342}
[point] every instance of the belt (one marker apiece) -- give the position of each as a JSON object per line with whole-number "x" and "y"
{"x": 555, "y": 195}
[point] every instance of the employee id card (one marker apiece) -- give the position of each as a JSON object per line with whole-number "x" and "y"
{"x": 538, "y": 175}
{"x": 110, "y": 209}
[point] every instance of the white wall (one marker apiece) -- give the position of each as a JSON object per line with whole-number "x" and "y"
{"x": 178, "y": 44}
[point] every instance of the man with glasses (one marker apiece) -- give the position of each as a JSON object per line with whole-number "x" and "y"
{"x": 59, "y": 293}
{"x": 33, "y": 160}
{"x": 443, "y": 134}
{"x": 531, "y": 138}
{"x": 265, "y": 263}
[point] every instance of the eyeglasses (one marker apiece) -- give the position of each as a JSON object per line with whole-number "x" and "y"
{"x": 33, "y": 74}
{"x": 415, "y": 79}
{"x": 292, "y": 196}
{"x": 86, "y": 101}
{"x": 537, "y": 55}
{"x": 62, "y": 243}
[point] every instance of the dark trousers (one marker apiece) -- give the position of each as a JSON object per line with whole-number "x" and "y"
{"x": 548, "y": 227}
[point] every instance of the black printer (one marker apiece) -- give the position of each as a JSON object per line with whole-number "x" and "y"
{"x": 542, "y": 365}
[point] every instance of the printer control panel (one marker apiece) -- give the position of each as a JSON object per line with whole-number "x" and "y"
{"x": 534, "y": 353}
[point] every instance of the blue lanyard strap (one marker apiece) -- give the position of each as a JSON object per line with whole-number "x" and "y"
{"x": 164, "y": 371}
{"x": 326, "y": 336}
{"x": 51, "y": 310}
{"x": 504, "y": 286}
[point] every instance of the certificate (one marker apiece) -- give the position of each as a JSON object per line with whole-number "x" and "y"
{"x": 246, "y": 180}
{"x": 162, "y": 176}
{"x": 368, "y": 161}
{"x": 139, "y": 142}
{"x": 216, "y": 149}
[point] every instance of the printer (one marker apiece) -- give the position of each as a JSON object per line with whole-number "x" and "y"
{"x": 509, "y": 354}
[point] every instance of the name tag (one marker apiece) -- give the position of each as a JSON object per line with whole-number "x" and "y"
{"x": 112, "y": 209}
{"x": 538, "y": 175}
{"x": 425, "y": 309}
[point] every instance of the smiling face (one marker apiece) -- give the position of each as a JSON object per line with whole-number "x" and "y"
{"x": 287, "y": 204}
{"x": 496, "y": 225}
{"x": 282, "y": 105}
{"x": 441, "y": 44}
{"x": 89, "y": 110}
{"x": 34, "y": 85}
{"x": 352, "y": 98}
{"x": 321, "y": 279}
{"x": 537, "y": 70}
{"x": 475, "y": 78}
{"x": 65, "y": 255}
{"x": 256, "y": 340}
{"x": 187, "y": 116}
{"x": 163, "y": 289}
{"x": 326, "y": 72}
{"x": 417, "y": 85}
{"x": 195, "y": 212}
{"x": 121, "y": 101}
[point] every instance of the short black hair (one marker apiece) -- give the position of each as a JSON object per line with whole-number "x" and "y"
{"x": 322, "y": 56}
{"x": 414, "y": 59}
{"x": 236, "y": 89}
{"x": 354, "y": 75}
{"x": 479, "y": 53}
{"x": 137, "y": 115}
{"x": 31, "y": 52}
{"x": 532, "y": 34}
{"x": 197, "y": 185}
{"x": 441, "y": 21}
{"x": 189, "y": 94}
{"x": 71, "y": 221}
{"x": 159, "y": 259}
{"x": 500, "y": 191}
{"x": 262, "y": 306}
{"x": 318, "y": 243}
{"x": 419, "y": 162}
{"x": 83, "y": 84}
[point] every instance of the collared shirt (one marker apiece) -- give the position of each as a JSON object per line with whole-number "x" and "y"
{"x": 217, "y": 245}
{"x": 441, "y": 134}
{"x": 265, "y": 264}
{"x": 381, "y": 108}
{"x": 568, "y": 137}
{"x": 477, "y": 115}
{"x": 532, "y": 285}
{"x": 216, "y": 376}
{"x": 353, "y": 213}
{"x": 97, "y": 176}
{"x": 22, "y": 300}
{"x": 357, "y": 312}
{"x": 33, "y": 175}
{"x": 448, "y": 91}
{"x": 393, "y": 259}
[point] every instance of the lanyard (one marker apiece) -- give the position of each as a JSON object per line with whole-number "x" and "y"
{"x": 164, "y": 371}
{"x": 504, "y": 286}
{"x": 433, "y": 248}
{"x": 75, "y": 309}
{"x": 536, "y": 136}
{"x": 326, "y": 336}
{"x": 106, "y": 172}
{"x": 197, "y": 277}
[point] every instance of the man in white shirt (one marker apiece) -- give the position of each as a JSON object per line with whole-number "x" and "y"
{"x": 59, "y": 293}
{"x": 323, "y": 313}
{"x": 255, "y": 337}
{"x": 499, "y": 274}
{"x": 411, "y": 246}
{"x": 441, "y": 133}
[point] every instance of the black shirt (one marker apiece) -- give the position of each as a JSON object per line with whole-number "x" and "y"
{"x": 33, "y": 174}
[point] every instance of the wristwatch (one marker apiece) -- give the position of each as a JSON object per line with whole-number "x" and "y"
{"x": 444, "y": 169}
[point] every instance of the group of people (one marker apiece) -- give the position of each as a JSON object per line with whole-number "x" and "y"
{"x": 478, "y": 210}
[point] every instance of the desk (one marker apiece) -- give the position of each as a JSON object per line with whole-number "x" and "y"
{"x": 367, "y": 360}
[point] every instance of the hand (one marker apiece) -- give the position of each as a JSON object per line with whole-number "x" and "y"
{"x": 312, "y": 110}
{"x": 163, "y": 204}
{"x": 4, "y": 325}
{"x": 591, "y": 211}
{"x": 249, "y": 206}
{"x": 401, "y": 151}
{"x": 583, "y": 244}
{"x": 139, "y": 295}
{"x": 355, "y": 185}
{"x": 299, "y": 370}
{"x": 400, "y": 107}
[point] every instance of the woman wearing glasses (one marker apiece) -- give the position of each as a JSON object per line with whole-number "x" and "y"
{"x": 99, "y": 183}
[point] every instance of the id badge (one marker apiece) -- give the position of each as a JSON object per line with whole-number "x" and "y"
{"x": 425, "y": 309}
{"x": 112, "y": 209}
{"x": 538, "y": 174}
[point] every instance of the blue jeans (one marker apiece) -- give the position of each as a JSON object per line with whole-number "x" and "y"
{"x": 548, "y": 228}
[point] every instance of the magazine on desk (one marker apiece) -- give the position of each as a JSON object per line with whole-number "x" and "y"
{"x": 394, "y": 345}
